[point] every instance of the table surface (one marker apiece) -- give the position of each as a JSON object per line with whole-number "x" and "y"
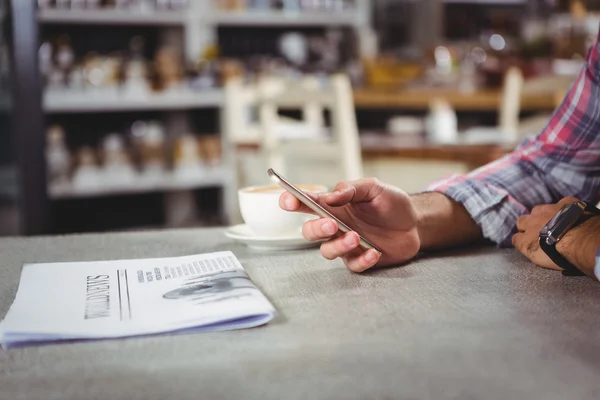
{"x": 479, "y": 323}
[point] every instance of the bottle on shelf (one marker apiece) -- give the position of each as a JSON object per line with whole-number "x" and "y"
{"x": 441, "y": 122}
{"x": 58, "y": 157}
{"x": 135, "y": 82}
{"x": 45, "y": 61}
{"x": 87, "y": 175}
{"x": 117, "y": 168}
{"x": 76, "y": 79}
{"x": 187, "y": 161}
{"x": 210, "y": 148}
{"x": 65, "y": 56}
{"x": 150, "y": 142}
{"x": 169, "y": 68}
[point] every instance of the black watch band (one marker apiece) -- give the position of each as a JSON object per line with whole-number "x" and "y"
{"x": 569, "y": 269}
{"x": 548, "y": 243}
{"x": 590, "y": 208}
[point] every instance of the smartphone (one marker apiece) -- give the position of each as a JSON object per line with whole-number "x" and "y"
{"x": 317, "y": 208}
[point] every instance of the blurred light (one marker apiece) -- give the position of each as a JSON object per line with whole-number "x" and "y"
{"x": 479, "y": 55}
{"x": 96, "y": 76}
{"x": 443, "y": 57}
{"x": 497, "y": 42}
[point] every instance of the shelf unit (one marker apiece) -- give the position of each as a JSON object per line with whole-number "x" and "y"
{"x": 202, "y": 19}
{"x": 175, "y": 104}
{"x": 199, "y": 25}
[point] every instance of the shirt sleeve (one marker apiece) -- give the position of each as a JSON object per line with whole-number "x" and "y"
{"x": 563, "y": 160}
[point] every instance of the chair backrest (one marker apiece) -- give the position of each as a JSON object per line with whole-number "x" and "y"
{"x": 510, "y": 103}
{"x": 341, "y": 147}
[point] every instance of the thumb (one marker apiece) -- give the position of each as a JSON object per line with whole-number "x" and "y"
{"x": 362, "y": 190}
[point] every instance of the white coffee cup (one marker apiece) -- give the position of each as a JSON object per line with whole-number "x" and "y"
{"x": 259, "y": 206}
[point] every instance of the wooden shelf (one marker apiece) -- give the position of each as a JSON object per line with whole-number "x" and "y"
{"x": 59, "y": 102}
{"x": 419, "y": 99}
{"x": 111, "y": 17}
{"x": 211, "y": 178}
{"x": 542, "y": 93}
{"x": 381, "y": 145}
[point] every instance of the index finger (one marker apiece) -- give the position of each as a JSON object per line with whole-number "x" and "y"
{"x": 288, "y": 202}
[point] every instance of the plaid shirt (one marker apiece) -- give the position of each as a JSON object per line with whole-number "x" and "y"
{"x": 563, "y": 160}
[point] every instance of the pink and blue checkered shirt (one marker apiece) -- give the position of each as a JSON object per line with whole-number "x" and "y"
{"x": 563, "y": 160}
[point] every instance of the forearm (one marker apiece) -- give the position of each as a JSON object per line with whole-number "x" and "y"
{"x": 443, "y": 223}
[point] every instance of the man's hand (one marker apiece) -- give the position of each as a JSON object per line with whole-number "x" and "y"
{"x": 579, "y": 245}
{"x": 383, "y": 214}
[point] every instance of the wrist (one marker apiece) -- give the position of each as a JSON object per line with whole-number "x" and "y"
{"x": 581, "y": 243}
{"x": 442, "y": 222}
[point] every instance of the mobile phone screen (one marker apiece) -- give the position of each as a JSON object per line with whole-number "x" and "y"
{"x": 317, "y": 208}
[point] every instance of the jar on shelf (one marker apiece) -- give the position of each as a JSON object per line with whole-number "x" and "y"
{"x": 187, "y": 159}
{"x": 58, "y": 157}
{"x": 117, "y": 165}
{"x": 87, "y": 174}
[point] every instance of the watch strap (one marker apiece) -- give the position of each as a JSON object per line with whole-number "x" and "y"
{"x": 591, "y": 208}
{"x": 569, "y": 269}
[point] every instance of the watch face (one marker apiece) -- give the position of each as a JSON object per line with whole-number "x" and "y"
{"x": 562, "y": 221}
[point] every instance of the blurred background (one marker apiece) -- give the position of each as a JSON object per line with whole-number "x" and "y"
{"x": 142, "y": 114}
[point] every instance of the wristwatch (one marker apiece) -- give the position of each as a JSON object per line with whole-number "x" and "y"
{"x": 558, "y": 226}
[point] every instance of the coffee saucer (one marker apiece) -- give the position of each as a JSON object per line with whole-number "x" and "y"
{"x": 243, "y": 234}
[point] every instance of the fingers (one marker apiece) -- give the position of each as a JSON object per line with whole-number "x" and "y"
{"x": 552, "y": 208}
{"x": 348, "y": 248}
{"x": 361, "y": 262}
{"x": 568, "y": 200}
{"x": 289, "y": 203}
{"x": 340, "y": 246}
{"x": 319, "y": 229}
{"x": 518, "y": 241}
{"x": 341, "y": 195}
{"x": 546, "y": 208}
{"x": 522, "y": 222}
{"x": 362, "y": 190}
{"x": 526, "y": 246}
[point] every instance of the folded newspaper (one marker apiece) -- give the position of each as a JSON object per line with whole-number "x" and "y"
{"x": 110, "y": 299}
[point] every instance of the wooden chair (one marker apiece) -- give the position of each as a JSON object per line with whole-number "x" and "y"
{"x": 305, "y": 151}
{"x": 509, "y": 110}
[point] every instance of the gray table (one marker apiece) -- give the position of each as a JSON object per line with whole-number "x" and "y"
{"x": 472, "y": 324}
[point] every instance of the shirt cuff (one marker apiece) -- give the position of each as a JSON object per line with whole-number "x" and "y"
{"x": 491, "y": 207}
